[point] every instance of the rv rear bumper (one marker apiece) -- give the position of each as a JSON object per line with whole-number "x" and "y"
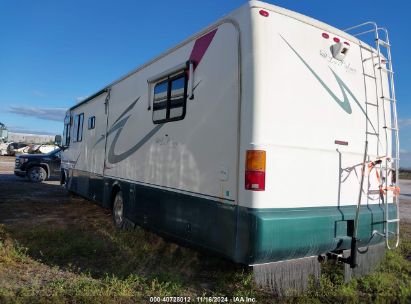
{"x": 269, "y": 235}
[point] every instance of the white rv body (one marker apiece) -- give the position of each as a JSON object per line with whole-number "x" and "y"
{"x": 262, "y": 81}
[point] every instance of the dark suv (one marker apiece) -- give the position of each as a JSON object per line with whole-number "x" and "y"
{"x": 38, "y": 167}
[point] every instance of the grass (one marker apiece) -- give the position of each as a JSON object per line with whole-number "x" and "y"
{"x": 93, "y": 262}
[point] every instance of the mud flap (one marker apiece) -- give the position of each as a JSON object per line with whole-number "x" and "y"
{"x": 289, "y": 277}
{"x": 367, "y": 261}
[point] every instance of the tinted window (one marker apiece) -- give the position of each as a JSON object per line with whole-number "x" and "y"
{"x": 75, "y": 127}
{"x": 177, "y": 97}
{"x": 78, "y": 127}
{"x": 66, "y": 131}
{"x": 92, "y": 122}
{"x": 169, "y": 103}
{"x": 160, "y": 101}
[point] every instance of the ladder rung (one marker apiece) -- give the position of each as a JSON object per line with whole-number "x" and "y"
{"x": 369, "y": 58}
{"x": 385, "y": 70}
{"x": 382, "y": 42}
{"x": 368, "y": 75}
{"x": 372, "y": 133}
{"x": 371, "y": 104}
{"x": 388, "y": 99}
{"x": 389, "y": 166}
{"x": 389, "y": 128}
{"x": 375, "y": 191}
{"x": 383, "y": 61}
{"x": 393, "y": 220}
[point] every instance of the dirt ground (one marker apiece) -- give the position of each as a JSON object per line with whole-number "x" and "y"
{"x": 69, "y": 237}
{"x": 26, "y": 203}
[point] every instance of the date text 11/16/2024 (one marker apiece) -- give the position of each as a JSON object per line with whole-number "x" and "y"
{"x": 202, "y": 300}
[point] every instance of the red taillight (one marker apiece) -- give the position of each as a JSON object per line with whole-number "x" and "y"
{"x": 255, "y": 180}
{"x": 325, "y": 35}
{"x": 255, "y": 170}
{"x": 264, "y": 13}
{"x": 336, "y": 39}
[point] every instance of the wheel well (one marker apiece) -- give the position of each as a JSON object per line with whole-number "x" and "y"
{"x": 114, "y": 190}
{"x": 62, "y": 177}
{"x": 39, "y": 165}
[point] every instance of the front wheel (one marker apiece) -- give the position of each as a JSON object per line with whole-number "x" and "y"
{"x": 64, "y": 179}
{"x": 118, "y": 210}
{"x": 37, "y": 174}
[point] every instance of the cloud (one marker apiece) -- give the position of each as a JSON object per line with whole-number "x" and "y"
{"x": 81, "y": 98}
{"x": 38, "y": 93}
{"x": 56, "y": 114}
{"x": 404, "y": 122}
{"x": 24, "y": 130}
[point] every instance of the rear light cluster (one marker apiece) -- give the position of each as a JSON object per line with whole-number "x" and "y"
{"x": 255, "y": 170}
{"x": 335, "y": 39}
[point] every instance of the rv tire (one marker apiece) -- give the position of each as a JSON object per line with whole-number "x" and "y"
{"x": 118, "y": 210}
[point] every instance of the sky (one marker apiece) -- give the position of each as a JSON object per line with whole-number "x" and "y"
{"x": 55, "y": 53}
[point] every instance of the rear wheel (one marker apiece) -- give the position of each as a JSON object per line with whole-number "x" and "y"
{"x": 37, "y": 174}
{"x": 118, "y": 210}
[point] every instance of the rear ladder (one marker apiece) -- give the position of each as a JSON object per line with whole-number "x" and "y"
{"x": 384, "y": 98}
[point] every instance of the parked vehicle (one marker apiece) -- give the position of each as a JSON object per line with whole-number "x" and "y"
{"x": 38, "y": 167}
{"x": 249, "y": 139}
{"x": 13, "y": 147}
{"x": 3, "y": 148}
{"x": 3, "y": 133}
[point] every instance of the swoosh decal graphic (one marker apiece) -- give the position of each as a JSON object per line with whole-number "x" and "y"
{"x": 345, "y": 103}
{"x": 199, "y": 49}
{"x": 117, "y": 127}
{"x": 114, "y": 158}
{"x": 115, "y": 124}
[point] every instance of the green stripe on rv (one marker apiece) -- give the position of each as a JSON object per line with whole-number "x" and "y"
{"x": 281, "y": 234}
{"x": 245, "y": 235}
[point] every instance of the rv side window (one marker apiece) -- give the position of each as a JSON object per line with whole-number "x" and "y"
{"x": 160, "y": 101}
{"x": 169, "y": 103}
{"x": 66, "y": 131}
{"x": 75, "y": 128}
{"x": 78, "y": 127}
{"x": 177, "y": 99}
{"x": 92, "y": 122}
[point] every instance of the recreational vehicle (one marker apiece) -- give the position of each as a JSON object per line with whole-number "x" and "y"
{"x": 267, "y": 136}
